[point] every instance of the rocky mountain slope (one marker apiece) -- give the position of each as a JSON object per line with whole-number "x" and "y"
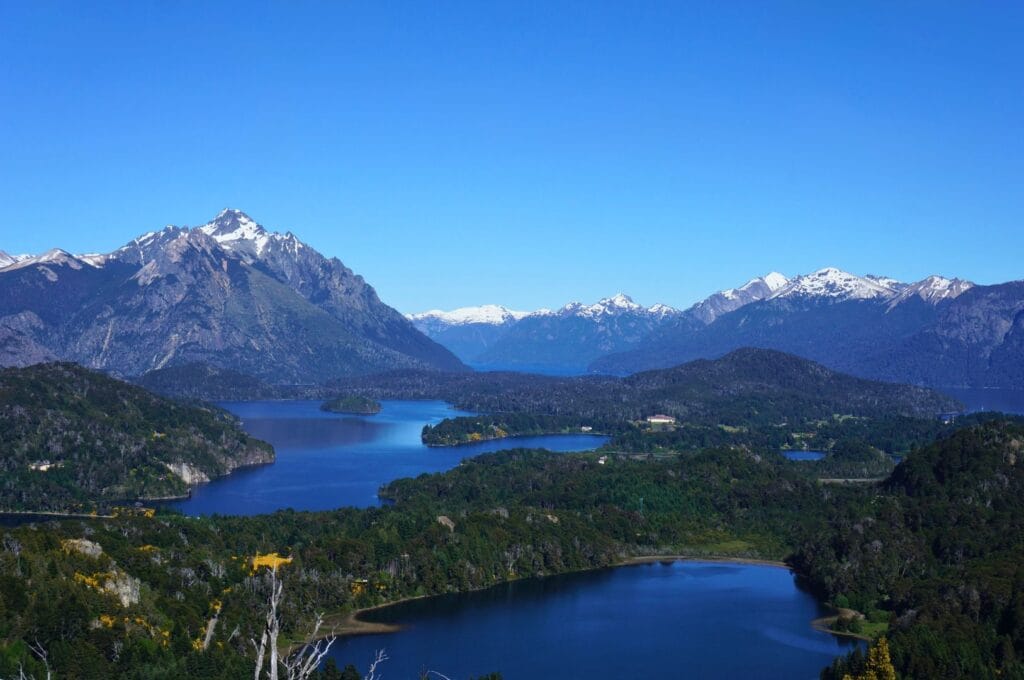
{"x": 976, "y": 340}
{"x": 228, "y": 293}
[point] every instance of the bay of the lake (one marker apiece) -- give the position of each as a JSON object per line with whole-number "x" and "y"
{"x": 660, "y": 620}
{"x": 327, "y": 460}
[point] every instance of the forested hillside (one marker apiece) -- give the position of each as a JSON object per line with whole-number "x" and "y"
{"x": 764, "y": 384}
{"x": 73, "y": 439}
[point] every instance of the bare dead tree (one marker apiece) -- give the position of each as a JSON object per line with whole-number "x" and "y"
{"x": 40, "y": 653}
{"x": 302, "y": 664}
{"x": 371, "y": 672}
{"x": 270, "y": 630}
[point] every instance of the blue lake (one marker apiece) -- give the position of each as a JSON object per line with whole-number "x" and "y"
{"x": 977, "y": 399}
{"x": 326, "y": 460}
{"x": 660, "y": 620}
{"x": 793, "y": 454}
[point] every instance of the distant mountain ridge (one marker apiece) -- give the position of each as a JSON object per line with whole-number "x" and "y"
{"x": 564, "y": 340}
{"x": 939, "y": 331}
{"x": 228, "y": 293}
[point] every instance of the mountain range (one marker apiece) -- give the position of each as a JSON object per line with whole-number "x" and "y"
{"x": 938, "y": 331}
{"x": 230, "y": 297}
{"x": 228, "y": 293}
{"x": 565, "y": 340}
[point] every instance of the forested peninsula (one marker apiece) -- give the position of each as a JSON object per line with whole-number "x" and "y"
{"x": 77, "y": 440}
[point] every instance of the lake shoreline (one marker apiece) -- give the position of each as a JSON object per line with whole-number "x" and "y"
{"x": 495, "y": 438}
{"x": 824, "y": 623}
{"x": 350, "y": 625}
{"x": 53, "y": 513}
{"x": 650, "y": 559}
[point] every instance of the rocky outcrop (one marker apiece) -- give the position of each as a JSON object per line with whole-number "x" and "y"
{"x": 83, "y": 546}
{"x": 124, "y": 587}
{"x": 187, "y": 473}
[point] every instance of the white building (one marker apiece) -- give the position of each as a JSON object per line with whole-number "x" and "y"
{"x": 661, "y": 419}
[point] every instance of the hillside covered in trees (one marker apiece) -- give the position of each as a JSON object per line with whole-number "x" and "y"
{"x": 758, "y": 399}
{"x": 74, "y": 439}
{"x": 931, "y": 556}
{"x": 747, "y": 384}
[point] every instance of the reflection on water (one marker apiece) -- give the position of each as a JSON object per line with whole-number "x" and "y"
{"x": 326, "y": 460}
{"x": 312, "y": 433}
{"x": 661, "y": 620}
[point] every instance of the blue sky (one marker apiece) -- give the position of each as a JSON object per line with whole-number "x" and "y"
{"x": 528, "y": 153}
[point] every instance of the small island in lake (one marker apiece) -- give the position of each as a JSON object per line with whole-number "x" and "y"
{"x": 354, "y": 404}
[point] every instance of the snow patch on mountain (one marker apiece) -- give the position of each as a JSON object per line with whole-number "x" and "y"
{"x": 237, "y": 232}
{"x": 7, "y": 260}
{"x": 933, "y": 290}
{"x": 725, "y": 301}
{"x": 886, "y": 282}
{"x": 488, "y": 314}
{"x": 497, "y": 315}
{"x": 661, "y": 310}
{"x": 94, "y": 259}
{"x": 617, "y": 304}
{"x": 774, "y": 280}
{"x": 45, "y": 261}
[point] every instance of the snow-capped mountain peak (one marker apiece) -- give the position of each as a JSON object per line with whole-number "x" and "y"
{"x": 616, "y": 304}
{"x": 774, "y": 280}
{"x": 933, "y": 290}
{"x": 497, "y": 315}
{"x": 886, "y": 282}
{"x": 53, "y": 256}
{"x": 731, "y": 299}
{"x": 619, "y": 301}
{"x": 235, "y": 230}
{"x": 486, "y": 314}
{"x": 7, "y": 260}
{"x": 837, "y": 284}
{"x": 661, "y": 310}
